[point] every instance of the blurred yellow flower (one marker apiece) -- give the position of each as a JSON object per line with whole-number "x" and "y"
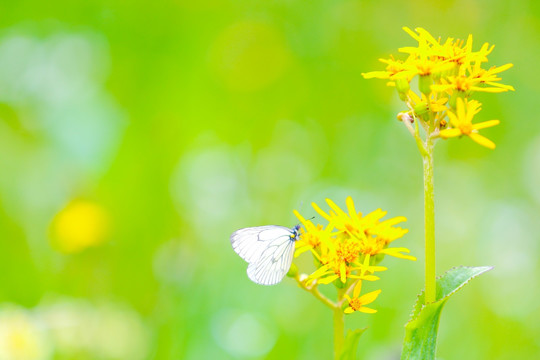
{"x": 81, "y": 224}
{"x": 461, "y": 122}
{"x": 357, "y": 302}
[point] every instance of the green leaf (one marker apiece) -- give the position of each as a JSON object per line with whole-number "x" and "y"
{"x": 421, "y": 330}
{"x": 351, "y": 344}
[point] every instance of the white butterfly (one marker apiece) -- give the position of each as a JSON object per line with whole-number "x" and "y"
{"x": 267, "y": 249}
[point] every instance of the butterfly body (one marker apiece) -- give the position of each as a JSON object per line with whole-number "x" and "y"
{"x": 267, "y": 249}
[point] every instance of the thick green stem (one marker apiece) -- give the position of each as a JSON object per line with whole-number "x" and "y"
{"x": 339, "y": 331}
{"x": 429, "y": 221}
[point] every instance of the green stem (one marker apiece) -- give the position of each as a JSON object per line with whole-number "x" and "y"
{"x": 339, "y": 320}
{"x": 429, "y": 221}
{"x": 339, "y": 327}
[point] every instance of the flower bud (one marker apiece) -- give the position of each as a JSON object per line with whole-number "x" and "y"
{"x": 424, "y": 84}
{"x": 421, "y": 108}
{"x": 402, "y": 87}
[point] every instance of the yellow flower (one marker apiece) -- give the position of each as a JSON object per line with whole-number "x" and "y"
{"x": 455, "y": 51}
{"x": 466, "y": 84}
{"x": 347, "y": 253}
{"x": 443, "y": 66}
{"x": 339, "y": 268}
{"x": 357, "y": 302}
{"x": 395, "y": 69}
{"x": 373, "y": 235}
{"x": 461, "y": 122}
{"x": 489, "y": 77}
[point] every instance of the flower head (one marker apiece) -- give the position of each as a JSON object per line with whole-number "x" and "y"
{"x": 348, "y": 246}
{"x": 358, "y": 303}
{"x": 461, "y": 122}
{"x": 448, "y": 72}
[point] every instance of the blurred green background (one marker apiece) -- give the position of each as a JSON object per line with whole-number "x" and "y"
{"x": 135, "y": 137}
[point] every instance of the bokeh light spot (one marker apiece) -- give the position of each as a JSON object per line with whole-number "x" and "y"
{"x": 81, "y": 224}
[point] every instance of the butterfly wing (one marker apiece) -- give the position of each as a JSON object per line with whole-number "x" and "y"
{"x": 273, "y": 263}
{"x": 250, "y": 242}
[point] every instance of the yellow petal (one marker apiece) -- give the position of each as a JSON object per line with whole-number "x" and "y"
{"x": 348, "y": 310}
{"x": 367, "y": 310}
{"x": 482, "y": 140}
{"x": 336, "y": 208}
{"x": 369, "y": 277}
{"x": 369, "y": 297}
{"x": 450, "y": 133}
{"x": 411, "y": 33}
{"x": 350, "y": 207}
{"x": 343, "y": 272}
{"x": 376, "y": 74}
{"x": 501, "y": 68}
{"x": 423, "y": 32}
{"x": 328, "y": 280}
{"x": 394, "y": 221}
{"x": 366, "y": 260}
{"x": 300, "y": 217}
{"x": 322, "y": 213}
{"x": 490, "y": 89}
{"x": 319, "y": 272}
{"x": 506, "y": 87}
{"x": 442, "y": 88}
{"x": 397, "y": 252}
{"x": 357, "y": 289}
{"x": 460, "y": 107}
{"x": 486, "y": 124}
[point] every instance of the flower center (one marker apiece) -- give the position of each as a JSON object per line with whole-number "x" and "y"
{"x": 355, "y": 304}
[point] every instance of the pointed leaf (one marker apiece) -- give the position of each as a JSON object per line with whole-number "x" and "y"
{"x": 421, "y": 330}
{"x": 351, "y": 344}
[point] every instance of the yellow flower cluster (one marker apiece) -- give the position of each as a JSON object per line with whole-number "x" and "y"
{"x": 349, "y": 248}
{"x": 448, "y": 75}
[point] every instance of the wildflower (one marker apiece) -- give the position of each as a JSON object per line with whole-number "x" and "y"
{"x": 357, "y": 302}
{"x": 467, "y": 84}
{"x": 373, "y": 236}
{"x": 461, "y": 122}
{"x": 490, "y": 77}
{"x": 395, "y": 69}
{"x": 449, "y": 74}
{"x": 345, "y": 249}
{"x": 453, "y": 51}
